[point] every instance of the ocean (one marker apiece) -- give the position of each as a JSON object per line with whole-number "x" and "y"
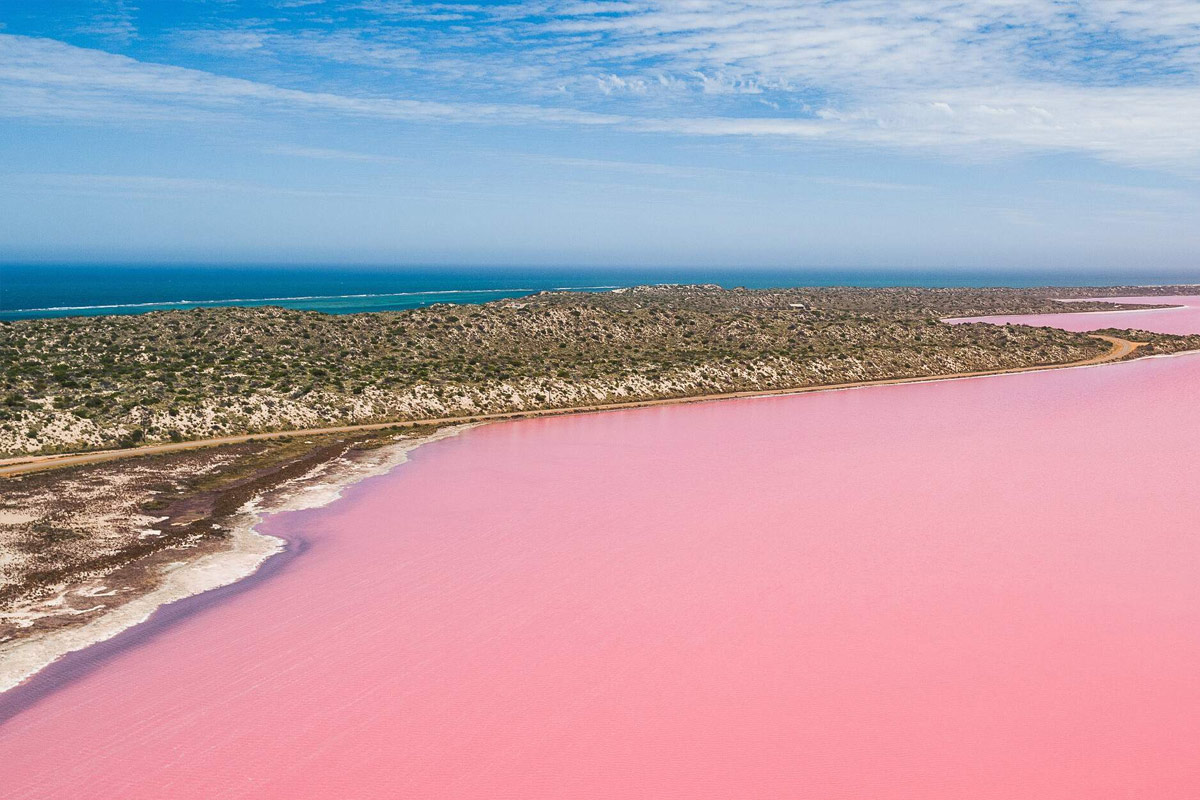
{"x": 46, "y": 290}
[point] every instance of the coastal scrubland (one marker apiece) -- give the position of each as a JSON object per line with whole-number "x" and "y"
{"x": 118, "y": 381}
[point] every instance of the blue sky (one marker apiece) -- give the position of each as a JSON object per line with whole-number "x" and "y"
{"x": 924, "y": 133}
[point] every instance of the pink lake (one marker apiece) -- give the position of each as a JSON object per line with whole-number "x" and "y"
{"x": 1185, "y": 318}
{"x": 982, "y": 588}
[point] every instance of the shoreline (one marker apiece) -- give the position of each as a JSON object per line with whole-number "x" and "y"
{"x": 23, "y": 659}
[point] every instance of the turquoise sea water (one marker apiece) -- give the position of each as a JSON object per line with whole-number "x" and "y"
{"x": 42, "y": 290}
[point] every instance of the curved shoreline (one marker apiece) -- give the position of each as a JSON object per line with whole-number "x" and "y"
{"x": 24, "y": 659}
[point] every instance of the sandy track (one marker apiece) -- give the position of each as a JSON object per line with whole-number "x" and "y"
{"x": 16, "y": 466}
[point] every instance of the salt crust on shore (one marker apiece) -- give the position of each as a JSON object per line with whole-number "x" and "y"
{"x": 21, "y": 659}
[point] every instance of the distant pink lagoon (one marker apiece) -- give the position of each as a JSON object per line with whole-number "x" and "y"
{"x": 1185, "y": 318}
{"x": 981, "y": 588}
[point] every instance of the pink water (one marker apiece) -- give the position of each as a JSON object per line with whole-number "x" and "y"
{"x": 983, "y": 588}
{"x": 1184, "y": 319}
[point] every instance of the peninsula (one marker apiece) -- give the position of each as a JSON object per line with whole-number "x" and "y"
{"x": 187, "y": 392}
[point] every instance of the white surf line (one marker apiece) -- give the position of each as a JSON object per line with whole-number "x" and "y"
{"x": 580, "y": 288}
{"x": 275, "y": 299}
{"x": 430, "y": 293}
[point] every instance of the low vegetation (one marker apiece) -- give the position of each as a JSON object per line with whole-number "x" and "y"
{"x": 97, "y": 382}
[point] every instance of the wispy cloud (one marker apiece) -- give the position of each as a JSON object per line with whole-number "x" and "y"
{"x": 114, "y": 20}
{"x": 709, "y": 174}
{"x": 762, "y": 45}
{"x": 150, "y": 186}
{"x": 1115, "y": 79}
{"x": 46, "y": 78}
{"x": 333, "y": 154}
